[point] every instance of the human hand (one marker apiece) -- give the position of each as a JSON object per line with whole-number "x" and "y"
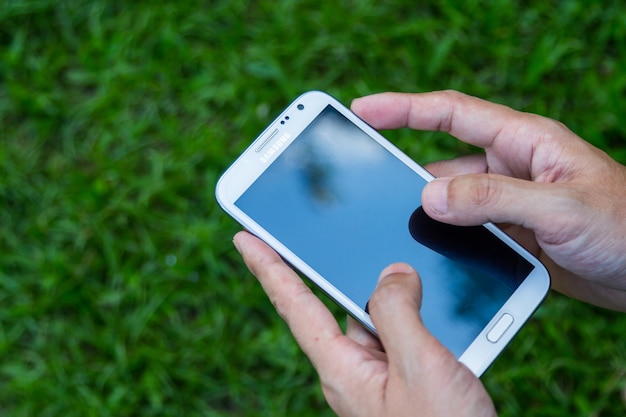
{"x": 566, "y": 197}
{"x": 406, "y": 372}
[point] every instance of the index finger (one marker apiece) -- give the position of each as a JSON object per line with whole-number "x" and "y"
{"x": 470, "y": 119}
{"x": 311, "y": 323}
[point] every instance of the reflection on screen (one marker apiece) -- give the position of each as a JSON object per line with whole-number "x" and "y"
{"x": 348, "y": 208}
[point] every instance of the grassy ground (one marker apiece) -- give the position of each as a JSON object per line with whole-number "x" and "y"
{"x": 120, "y": 291}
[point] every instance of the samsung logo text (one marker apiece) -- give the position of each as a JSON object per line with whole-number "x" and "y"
{"x": 275, "y": 147}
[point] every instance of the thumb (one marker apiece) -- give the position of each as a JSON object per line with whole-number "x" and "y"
{"x": 471, "y": 200}
{"x": 394, "y": 309}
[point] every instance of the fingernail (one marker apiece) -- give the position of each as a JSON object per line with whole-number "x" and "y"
{"x": 355, "y": 101}
{"x": 397, "y": 268}
{"x": 436, "y": 195}
{"x": 236, "y": 244}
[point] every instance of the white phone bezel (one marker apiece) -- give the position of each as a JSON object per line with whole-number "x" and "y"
{"x": 277, "y": 137}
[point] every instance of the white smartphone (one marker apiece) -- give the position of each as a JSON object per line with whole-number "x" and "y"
{"x": 339, "y": 202}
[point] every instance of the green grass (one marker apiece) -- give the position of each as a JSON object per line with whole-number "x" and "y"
{"x": 120, "y": 291}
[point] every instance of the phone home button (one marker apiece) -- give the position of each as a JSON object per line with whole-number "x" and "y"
{"x": 500, "y": 327}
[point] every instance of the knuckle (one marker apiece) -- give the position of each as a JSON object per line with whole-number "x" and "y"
{"x": 454, "y": 94}
{"x": 284, "y": 289}
{"x": 480, "y": 191}
{"x": 554, "y": 126}
{"x": 452, "y": 99}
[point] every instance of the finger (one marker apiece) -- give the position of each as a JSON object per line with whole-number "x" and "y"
{"x": 309, "y": 320}
{"x": 358, "y": 333}
{"x": 468, "y": 118}
{"x": 481, "y": 198}
{"x": 511, "y": 138}
{"x": 470, "y": 164}
{"x": 394, "y": 309}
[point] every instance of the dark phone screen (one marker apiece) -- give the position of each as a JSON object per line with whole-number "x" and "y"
{"x": 348, "y": 208}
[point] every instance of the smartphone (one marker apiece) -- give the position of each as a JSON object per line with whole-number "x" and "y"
{"x": 339, "y": 203}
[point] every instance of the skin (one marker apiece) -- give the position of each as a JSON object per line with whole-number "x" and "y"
{"x": 559, "y": 196}
{"x": 565, "y": 198}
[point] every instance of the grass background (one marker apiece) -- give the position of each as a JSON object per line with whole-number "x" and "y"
{"x": 120, "y": 291}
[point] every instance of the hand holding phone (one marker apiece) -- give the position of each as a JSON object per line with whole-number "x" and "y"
{"x": 560, "y": 196}
{"x": 339, "y": 203}
{"x": 404, "y": 370}
{"x": 351, "y": 366}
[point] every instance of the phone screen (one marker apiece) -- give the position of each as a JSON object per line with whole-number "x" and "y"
{"x": 348, "y": 207}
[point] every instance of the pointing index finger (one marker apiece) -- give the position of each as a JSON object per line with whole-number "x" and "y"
{"x": 311, "y": 323}
{"x": 468, "y": 118}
